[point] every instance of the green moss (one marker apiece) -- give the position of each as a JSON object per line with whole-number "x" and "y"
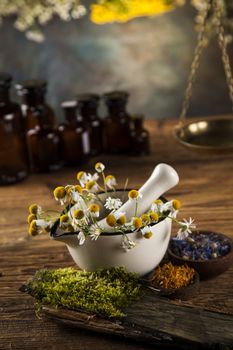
{"x": 104, "y": 292}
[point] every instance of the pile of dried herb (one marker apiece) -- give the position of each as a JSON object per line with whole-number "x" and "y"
{"x": 104, "y": 292}
{"x": 172, "y": 277}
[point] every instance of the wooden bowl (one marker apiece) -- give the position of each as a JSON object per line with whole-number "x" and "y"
{"x": 206, "y": 268}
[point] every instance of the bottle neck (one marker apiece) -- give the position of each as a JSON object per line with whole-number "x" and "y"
{"x": 117, "y": 111}
{"x": 30, "y": 99}
{"x": 4, "y": 96}
{"x": 88, "y": 111}
{"x": 70, "y": 115}
{"x": 138, "y": 124}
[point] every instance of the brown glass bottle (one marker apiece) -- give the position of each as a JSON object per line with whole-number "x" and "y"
{"x": 117, "y": 124}
{"x": 87, "y": 110}
{"x": 33, "y": 93}
{"x": 75, "y": 143}
{"x": 13, "y": 151}
{"x": 43, "y": 146}
{"x": 139, "y": 137}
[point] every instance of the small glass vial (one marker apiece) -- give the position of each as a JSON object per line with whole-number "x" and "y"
{"x": 13, "y": 150}
{"x": 74, "y": 137}
{"x": 117, "y": 124}
{"x": 33, "y": 93}
{"x": 87, "y": 109}
{"x": 139, "y": 137}
{"x": 43, "y": 146}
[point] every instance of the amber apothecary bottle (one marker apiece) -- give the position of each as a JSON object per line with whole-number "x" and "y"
{"x": 117, "y": 123}
{"x": 139, "y": 137}
{"x": 88, "y": 111}
{"x": 33, "y": 93}
{"x": 13, "y": 152}
{"x": 74, "y": 137}
{"x": 43, "y": 146}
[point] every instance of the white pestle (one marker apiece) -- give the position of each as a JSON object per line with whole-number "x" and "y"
{"x": 161, "y": 180}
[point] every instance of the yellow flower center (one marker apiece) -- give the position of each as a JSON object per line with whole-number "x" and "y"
{"x": 32, "y": 232}
{"x": 111, "y": 220}
{"x": 109, "y": 178}
{"x": 59, "y": 192}
{"x": 154, "y": 216}
{"x": 137, "y": 222}
{"x": 148, "y": 234}
{"x": 133, "y": 194}
{"x": 90, "y": 185}
{"x": 31, "y": 217}
{"x": 33, "y": 209}
{"x": 78, "y": 214}
{"x": 121, "y": 220}
{"x": 94, "y": 208}
{"x": 176, "y": 204}
{"x": 64, "y": 218}
{"x": 99, "y": 167}
{"x": 78, "y": 189}
{"x": 145, "y": 218}
{"x": 33, "y": 225}
{"x": 158, "y": 201}
{"x": 80, "y": 174}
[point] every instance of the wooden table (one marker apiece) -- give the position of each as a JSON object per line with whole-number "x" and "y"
{"x": 205, "y": 190}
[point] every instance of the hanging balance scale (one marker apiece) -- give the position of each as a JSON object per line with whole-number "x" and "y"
{"x": 212, "y": 134}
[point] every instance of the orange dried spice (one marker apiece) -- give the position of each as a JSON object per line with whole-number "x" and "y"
{"x": 172, "y": 277}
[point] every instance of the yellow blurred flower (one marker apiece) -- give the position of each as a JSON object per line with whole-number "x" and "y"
{"x": 124, "y": 10}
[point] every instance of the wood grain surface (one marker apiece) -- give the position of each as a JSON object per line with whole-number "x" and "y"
{"x": 205, "y": 190}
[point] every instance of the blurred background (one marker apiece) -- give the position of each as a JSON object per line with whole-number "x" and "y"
{"x": 148, "y": 57}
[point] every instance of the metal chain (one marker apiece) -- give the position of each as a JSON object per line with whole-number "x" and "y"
{"x": 195, "y": 63}
{"x": 218, "y": 10}
{"x": 218, "y": 7}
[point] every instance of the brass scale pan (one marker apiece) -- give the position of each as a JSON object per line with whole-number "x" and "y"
{"x": 211, "y": 134}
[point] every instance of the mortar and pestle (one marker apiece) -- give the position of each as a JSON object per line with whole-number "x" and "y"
{"x": 106, "y": 251}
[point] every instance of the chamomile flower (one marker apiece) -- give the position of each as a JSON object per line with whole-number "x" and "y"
{"x": 146, "y": 219}
{"x": 113, "y": 203}
{"x": 33, "y": 229}
{"x": 75, "y": 212}
{"x": 94, "y": 232}
{"x": 110, "y": 181}
{"x": 146, "y": 232}
{"x": 127, "y": 244}
{"x": 82, "y": 177}
{"x": 38, "y": 226}
{"x": 137, "y": 223}
{"x": 64, "y": 221}
{"x": 157, "y": 206}
{"x": 31, "y": 217}
{"x": 111, "y": 220}
{"x": 75, "y": 194}
{"x": 176, "y": 204}
{"x": 134, "y": 195}
{"x": 94, "y": 209}
{"x": 121, "y": 218}
{"x": 60, "y": 194}
{"x": 34, "y": 209}
{"x": 186, "y": 227}
{"x": 154, "y": 216}
{"x": 99, "y": 167}
{"x": 78, "y": 214}
{"x": 92, "y": 186}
